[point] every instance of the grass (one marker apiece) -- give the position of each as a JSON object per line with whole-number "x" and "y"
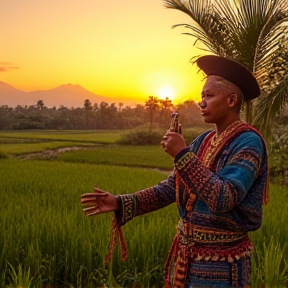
{"x": 270, "y": 242}
{"x": 133, "y": 156}
{"x": 17, "y": 143}
{"x": 42, "y": 223}
{"x": 26, "y": 148}
{"x": 94, "y": 136}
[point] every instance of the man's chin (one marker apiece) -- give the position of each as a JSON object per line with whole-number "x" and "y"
{"x": 207, "y": 120}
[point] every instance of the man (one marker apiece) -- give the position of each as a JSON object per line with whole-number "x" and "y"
{"x": 218, "y": 183}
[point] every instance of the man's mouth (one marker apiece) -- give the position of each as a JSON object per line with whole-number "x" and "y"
{"x": 204, "y": 113}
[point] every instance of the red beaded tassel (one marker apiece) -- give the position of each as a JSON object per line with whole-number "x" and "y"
{"x": 116, "y": 235}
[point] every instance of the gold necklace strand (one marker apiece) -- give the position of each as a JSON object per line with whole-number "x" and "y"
{"x": 216, "y": 140}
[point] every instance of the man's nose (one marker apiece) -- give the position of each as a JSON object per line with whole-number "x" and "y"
{"x": 202, "y": 104}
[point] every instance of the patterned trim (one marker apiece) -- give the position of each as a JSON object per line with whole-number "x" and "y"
{"x": 128, "y": 207}
{"x": 181, "y": 163}
{"x": 177, "y": 264}
{"x": 189, "y": 234}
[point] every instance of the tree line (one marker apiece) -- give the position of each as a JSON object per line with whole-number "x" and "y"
{"x": 155, "y": 113}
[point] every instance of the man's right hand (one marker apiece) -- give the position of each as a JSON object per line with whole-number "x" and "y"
{"x": 98, "y": 202}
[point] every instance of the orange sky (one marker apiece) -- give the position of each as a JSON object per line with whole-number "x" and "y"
{"x": 114, "y": 48}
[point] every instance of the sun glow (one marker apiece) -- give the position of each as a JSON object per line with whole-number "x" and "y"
{"x": 166, "y": 92}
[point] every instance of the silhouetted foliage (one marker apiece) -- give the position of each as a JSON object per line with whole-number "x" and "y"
{"x": 279, "y": 149}
{"x": 155, "y": 113}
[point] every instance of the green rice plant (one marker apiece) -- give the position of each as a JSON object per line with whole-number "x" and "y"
{"x": 44, "y": 230}
{"x": 270, "y": 241}
{"x": 20, "y": 278}
{"x": 271, "y": 268}
{"x": 137, "y": 156}
{"x": 13, "y": 140}
{"x": 135, "y": 278}
{"x": 257, "y": 268}
{"x": 274, "y": 219}
{"x": 26, "y": 148}
{"x": 92, "y": 136}
{"x": 3, "y": 155}
{"x": 275, "y": 265}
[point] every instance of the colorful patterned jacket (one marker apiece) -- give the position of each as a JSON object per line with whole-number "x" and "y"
{"x": 219, "y": 186}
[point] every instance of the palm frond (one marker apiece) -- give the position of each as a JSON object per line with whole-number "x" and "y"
{"x": 206, "y": 24}
{"x": 274, "y": 101}
{"x": 193, "y": 8}
{"x": 272, "y": 64}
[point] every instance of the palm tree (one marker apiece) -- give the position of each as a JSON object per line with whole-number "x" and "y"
{"x": 87, "y": 105}
{"x": 40, "y": 104}
{"x": 88, "y": 114}
{"x": 253, "y": 32}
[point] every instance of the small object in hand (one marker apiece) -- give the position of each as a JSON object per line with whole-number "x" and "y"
{"x": 180, "y": 129}
{"x": 174, "y": 124}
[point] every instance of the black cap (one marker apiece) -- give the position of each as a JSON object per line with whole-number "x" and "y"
{"x": 231, "y": 71}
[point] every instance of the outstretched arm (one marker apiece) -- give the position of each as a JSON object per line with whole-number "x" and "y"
{"x": 128, "y": 206}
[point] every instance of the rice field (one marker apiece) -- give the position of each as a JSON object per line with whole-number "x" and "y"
{"x": 95, "y": 136}
{"x": 46, "y": 241}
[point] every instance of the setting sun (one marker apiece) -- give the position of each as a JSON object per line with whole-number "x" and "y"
{"x": 166, "y": 92}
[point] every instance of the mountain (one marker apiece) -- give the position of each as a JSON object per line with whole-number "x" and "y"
{"x": 68, "y": 95}
{"x": 11, "y": 96}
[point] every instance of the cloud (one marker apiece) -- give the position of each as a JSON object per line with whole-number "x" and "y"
{"x": 7, "y": 66}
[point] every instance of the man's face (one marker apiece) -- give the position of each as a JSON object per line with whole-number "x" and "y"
{"x": 215, "y": 100}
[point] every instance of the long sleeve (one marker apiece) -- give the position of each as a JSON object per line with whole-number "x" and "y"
{"x": 146, "y": 200}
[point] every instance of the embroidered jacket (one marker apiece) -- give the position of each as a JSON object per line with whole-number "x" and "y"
{"x": 218, "y": 186}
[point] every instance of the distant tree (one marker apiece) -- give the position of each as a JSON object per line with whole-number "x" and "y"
{"x": 77, "y": 118}
{"x": 40, "y": 104}
{"x": 19, "y": 108}
{"x": 87, "y": 105}
{"x": 32, "y": 108}
{"x": 103, "y": 115}
{"x": 62, "y": 108}
{"x": 165, "y": 107}
{"x": 88, "y": 115}
{"x": 189, "y": 114}
{"x": 152, "y": 105}
{"x": 5, "y": 117}
{"x": 103, "y": 106}
{"x": 132, "y": 117}
{"x": 95, "y": 107}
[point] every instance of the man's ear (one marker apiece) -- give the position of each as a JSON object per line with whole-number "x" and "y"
{"x": 233, "y": 99}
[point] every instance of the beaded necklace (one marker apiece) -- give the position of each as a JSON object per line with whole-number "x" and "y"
{"x": 217, "y": 141}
